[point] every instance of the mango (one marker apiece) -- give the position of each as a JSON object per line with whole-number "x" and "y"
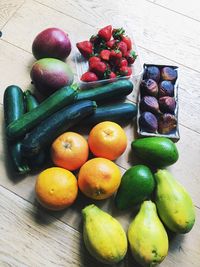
{"x": 156, "y": 151}
{"x": 50, "y": 74}
{"x": 174, "y": 204}
{"x": 103, "y": 235}
{"x": 147, "y": 236}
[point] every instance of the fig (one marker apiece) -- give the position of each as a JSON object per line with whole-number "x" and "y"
{"x": 53, "y": 43}
{"x": 166, "y": 123}
{"x": 149, "y": 87}
{"x": 166, "y": 88}
{"x": 152, "y": 72}
{"x": 149, "y": 103}
{"x": 168, "y": 73}
{"x": 167, "y": 104}
{"x": 148, "y": 122}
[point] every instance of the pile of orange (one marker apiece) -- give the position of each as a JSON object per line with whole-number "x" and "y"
{"x": 98, "y": 178}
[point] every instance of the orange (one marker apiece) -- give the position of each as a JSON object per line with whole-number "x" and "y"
{"x": 108, "y": 140}
{"x": 56, "y": 188}
{"x": 70, "y": 151}
{"x": 99, "y": 178}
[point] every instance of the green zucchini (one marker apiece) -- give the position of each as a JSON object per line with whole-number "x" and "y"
{"x": 14, "y": 108}
{"x": 31, "y": 101}
{"x": 112, "y": 90}
{"x": 45, "y": 133}
{"x": 29, "y": 120}
{"x": 117, "y": 112}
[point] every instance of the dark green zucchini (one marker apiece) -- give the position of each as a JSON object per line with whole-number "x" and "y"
{"x": 14, "y": 108}
{"x": 113, "y": 90}
{"x": 117, "y": 112}
{"x": 53, "y": 103}
{"x": 45, "y": 133}
{"x": 31, "y": 101}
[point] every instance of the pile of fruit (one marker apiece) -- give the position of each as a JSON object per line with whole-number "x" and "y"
{"x": 158, "y": 107}
{"x": 109, "y": 54}
{"x": 35, "y": 130}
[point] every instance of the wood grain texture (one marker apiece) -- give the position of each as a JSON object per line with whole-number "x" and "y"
{"x": 7, "y": 9}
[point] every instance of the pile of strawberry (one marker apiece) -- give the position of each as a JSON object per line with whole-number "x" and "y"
{"x": 109, "y": 53}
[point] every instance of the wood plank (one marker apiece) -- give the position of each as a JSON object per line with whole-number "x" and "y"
{"x": 7, "y": 9}
{"x": 189, "y": 9}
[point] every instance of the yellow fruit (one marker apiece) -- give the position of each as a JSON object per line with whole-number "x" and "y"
{"x": 56, "y": 188}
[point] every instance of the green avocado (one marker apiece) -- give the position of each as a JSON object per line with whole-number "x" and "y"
{"x": 157, "y": 151}
{"x": 137, "y": 184}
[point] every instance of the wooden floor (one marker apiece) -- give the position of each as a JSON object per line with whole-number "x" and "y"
{"x": 166, "y": 32}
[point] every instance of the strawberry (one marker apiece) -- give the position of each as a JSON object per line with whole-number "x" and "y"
{"x": 111, "y": 43}
{"x": 117, "y": 33}
{"x": 99, "y": 68}
{"x": 131, "y": 56}
{"x": 93, "y": 60}
{"x": 115, "y": 56}
{"x": 123, "y": 62}
{"x": 112, "y": 75}
{"x": 125, "y": 71}
{"x": 122, "y": 46}
{"x": 128, "y": 41}
{"x": 85, "y": 48}
{"x": 89, "y": 77}
{"x": 105, "y": 54}
{"x": 105, "y": 33}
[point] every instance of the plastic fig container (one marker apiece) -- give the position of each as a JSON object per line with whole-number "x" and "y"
{"x": 173, "y": 134}
{"x": 82, "y": 67}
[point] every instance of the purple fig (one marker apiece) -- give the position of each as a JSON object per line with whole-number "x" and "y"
{"x": 166, "y": 123}
{"x": 53, "y": 43}
{"x": 149, "y": 103}
{"x": 168, "y": 73}
{"x": 166, "y": 88}
{"x": 152, "y": 72}
{"x": 167, "y": 104}
{"x": 149, "y": 87}
{"x": 50, "y": 74}
{"x": 148, "y": 122}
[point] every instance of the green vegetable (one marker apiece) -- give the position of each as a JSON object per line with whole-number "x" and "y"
{"x": 45, "y": 133}
{"x": 118, "y": 89}
{"x": 53, "y": 103}
{"x": 31, "y": 101}
{"x": 14, "y": 108}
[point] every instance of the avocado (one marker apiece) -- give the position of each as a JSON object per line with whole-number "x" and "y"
{"x": 137, "y": 184}
{"x": 157, "y": 151}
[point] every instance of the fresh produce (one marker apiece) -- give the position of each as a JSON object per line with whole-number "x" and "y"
{"x": 31, "y": 101}
{"x": 99, "y": 178}
{"x": 168, "y": 73}
{"x": 13, "y": 103}
{"x": 49, "y": 75}
{"x": 166, "y": 123}
{"x": 69, "y": 151}
{"x": 166, "y": 88}
{"x": 49, "y": 129}
{"x": 149, "y": 103}
{"x": 53, "y": 43}
{"x": 148, "y": 122}
{"x": 147, "y": 236}
{"x": 152, "y": 72}
{"x": 157, "y": 151}
{"x": 107, "y": 140}
{"x": 137, "y": 184}
{"x": 56, "y": 188}
{"x": 103, "y": 235}
{"x": 174, "y": 204}
{"x": 149, "y": 87}
{"x": 117, "y": 113}
{"x": 26, "y": 122}
{"x": 115, "y": 56}
{"x": 109, "y": 91}
{"x": 167, "y": 104}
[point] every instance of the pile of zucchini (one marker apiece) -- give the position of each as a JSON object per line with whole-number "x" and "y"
{"x": 32, "y": 127}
